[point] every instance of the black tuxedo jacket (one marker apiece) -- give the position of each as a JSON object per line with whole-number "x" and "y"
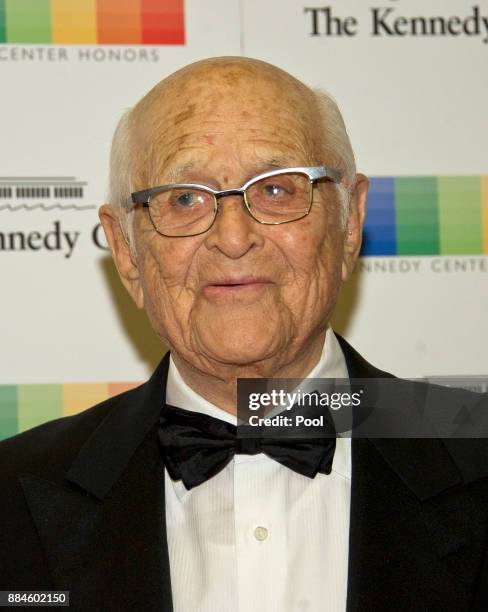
{"x": 83, "y": 510}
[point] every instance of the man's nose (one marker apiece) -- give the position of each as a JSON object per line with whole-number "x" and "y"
{"x": 234, "y": 231}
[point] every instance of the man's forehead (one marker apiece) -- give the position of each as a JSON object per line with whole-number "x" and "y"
{"x": 264, "y": 113}
{"x": 176, "y": 159}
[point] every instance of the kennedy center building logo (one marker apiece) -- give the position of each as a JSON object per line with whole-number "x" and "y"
{"x": 90, "y": 22}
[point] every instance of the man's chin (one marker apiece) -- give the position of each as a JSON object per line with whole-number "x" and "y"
{"x": 230, "y": 346}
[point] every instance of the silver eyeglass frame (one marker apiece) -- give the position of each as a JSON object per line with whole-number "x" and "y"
{"x": 314, "y": 173}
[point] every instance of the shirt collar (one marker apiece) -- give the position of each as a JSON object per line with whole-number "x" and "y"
{"x": 331, "y": 364}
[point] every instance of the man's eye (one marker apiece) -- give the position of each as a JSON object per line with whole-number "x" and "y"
{"x": 186, "y": 200}
{"x": 274, "y": 190}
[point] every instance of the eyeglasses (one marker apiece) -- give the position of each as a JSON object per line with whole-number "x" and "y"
{"x": 272, "y": 198}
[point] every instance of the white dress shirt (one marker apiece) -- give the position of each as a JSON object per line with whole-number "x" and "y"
{"x": 259, "y": 537}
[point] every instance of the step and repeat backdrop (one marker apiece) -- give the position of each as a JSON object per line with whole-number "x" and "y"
{"x": 410, "y": 78}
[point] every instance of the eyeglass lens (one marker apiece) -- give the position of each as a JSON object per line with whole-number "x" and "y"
{"x": 190, "y": 211}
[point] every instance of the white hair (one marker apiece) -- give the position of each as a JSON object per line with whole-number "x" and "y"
{"x": 336, "y": 147}
{"x": 120, "y": 173}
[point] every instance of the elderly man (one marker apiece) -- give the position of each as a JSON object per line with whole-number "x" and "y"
{"x": 235, "y": 214}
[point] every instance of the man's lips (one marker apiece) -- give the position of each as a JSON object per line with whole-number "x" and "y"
{"x": 234, "y": 285}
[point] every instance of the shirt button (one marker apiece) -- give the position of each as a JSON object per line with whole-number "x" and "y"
{"x": 261, "y": 533}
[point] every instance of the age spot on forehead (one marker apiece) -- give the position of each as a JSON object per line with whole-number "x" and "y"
{"x": 232, "y": 77}
{"x": 185, "y": 114}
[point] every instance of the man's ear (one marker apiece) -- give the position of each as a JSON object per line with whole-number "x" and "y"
{"x": 122, "y": 254}
{"x": 354, "y": 227}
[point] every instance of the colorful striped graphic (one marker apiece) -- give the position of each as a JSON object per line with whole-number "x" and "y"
{"x": 2, "y": 20}
{"x": 89, "y": 22}
{"x": 73, "y": 22}
{"x": 427, "y": 216}
{"x": 115, "y": 25}
{"x": 25, "y": 406}
{"x": 484, "y": 206}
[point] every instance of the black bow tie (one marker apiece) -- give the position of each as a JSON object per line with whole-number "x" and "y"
{"x": 195, "y": 446}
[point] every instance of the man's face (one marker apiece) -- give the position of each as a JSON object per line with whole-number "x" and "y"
{"x": 242, "y": 293}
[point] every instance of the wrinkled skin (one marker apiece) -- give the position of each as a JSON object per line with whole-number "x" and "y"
{"x": 220, "y": 122}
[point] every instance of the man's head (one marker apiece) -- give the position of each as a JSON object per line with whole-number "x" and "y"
{"x": 220, "y": 122}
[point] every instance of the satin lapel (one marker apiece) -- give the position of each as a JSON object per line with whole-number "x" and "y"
{"x": 412, "y": 527}
{"x": 103, "y": 529}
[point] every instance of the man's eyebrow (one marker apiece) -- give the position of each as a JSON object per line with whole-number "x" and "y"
{"x": 273, "y": 163}
{"x": 277, "y": 162}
